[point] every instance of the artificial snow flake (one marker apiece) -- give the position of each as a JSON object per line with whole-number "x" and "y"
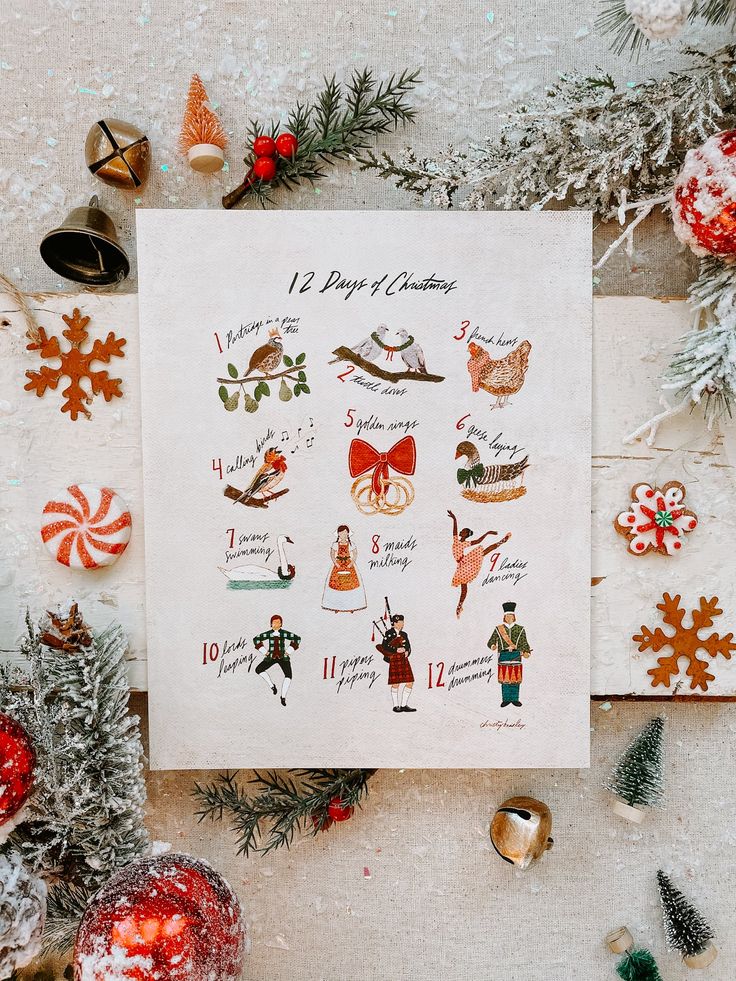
{"x": 685, "y": 642}
{"x": 659, "y": 20}
{"x": 75, "y": 365}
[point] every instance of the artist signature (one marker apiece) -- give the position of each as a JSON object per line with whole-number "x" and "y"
{"x": 502, "y": 724}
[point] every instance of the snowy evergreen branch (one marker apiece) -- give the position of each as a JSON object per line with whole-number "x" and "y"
{"x": 85, "y": 816}
{"x": 586, "y": 143}
{"x": 703, "y": 370}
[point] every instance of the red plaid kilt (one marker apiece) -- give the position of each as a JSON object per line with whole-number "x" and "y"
{"x": 399, "y": 670}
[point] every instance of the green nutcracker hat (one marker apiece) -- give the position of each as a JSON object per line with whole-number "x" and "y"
{"x": 509, "y": 607}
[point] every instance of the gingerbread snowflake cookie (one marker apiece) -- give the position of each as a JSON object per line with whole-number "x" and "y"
{"x": 656, "y": 520}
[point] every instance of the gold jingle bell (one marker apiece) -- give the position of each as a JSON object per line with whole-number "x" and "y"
{"x": 520, "y": 830}
{"x": 85, "y": 248}
{"x": 118, "y": 153}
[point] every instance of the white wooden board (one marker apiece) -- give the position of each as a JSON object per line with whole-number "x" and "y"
{"x": 43, "y": 451}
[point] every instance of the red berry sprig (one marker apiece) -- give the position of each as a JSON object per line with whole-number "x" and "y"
{"x": 267, "y": 151}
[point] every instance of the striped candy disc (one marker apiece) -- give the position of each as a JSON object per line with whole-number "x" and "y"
{"x": 86, "y": 527}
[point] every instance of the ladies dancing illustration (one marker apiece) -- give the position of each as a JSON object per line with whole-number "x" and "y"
{"x": 344, "y": 592}
{"x": 469, "y": 555}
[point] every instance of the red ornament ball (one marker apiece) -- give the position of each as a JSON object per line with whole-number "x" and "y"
{"x": 704, "y": 197}
{"x": 17, "y": 766}
{"x": 264, "y": 146}
{"x": 172, "y": 918}
{"x": 264, "y": 169}
{"x": 287, "y": 145}
{"x": 338, "y": 811}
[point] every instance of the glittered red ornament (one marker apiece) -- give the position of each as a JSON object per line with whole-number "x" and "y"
{"x": 287, "y": 145}
{"x": 264, "y": 146}
{"x": 704, "y": 197}
{"x": 264, "y": 169}
{"x": 17, "y": 766}
{"x": 338, "y": 811}
{"x": 172, "y": 918}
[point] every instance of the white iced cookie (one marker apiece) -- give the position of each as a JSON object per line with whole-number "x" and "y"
{"x": 656, "y": 520}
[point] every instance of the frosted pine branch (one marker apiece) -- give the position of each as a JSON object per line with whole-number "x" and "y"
{"x": 703, "y": 370}
{"x": 586, "y": 143}
{"x": 86, "y": 813}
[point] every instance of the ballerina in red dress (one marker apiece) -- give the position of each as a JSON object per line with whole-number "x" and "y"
{"x": 469, "y": 555}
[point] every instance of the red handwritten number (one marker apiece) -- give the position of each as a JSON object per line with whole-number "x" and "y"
{"x": 232, "y": 535}
{"x": 217, "y": 466}
{"x": 351, "y": 419}
{"x": 463, "y": 331}
{"x": 460, "y": 424}
{"x": 210, "y": 651}
{"x": 375, "y": 548}
{"x": 494, "y": 561}
{"x": 219, "y": 346}
{"x": 329, "y": 668}
{"x": 439, "y": 683}
{"x": 345, "y": 374}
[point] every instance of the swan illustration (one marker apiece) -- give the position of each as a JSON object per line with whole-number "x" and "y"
{"x": 258, "y": 576}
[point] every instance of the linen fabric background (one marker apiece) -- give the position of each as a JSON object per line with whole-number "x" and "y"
{"x": 436, "y": 902}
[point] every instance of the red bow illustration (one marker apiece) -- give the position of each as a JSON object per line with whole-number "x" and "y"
{"x": 363, "y": 457}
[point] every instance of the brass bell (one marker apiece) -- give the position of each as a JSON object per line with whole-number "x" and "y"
{"x": 85, "y": 248}
{"x": 118, "y": 153}
{"x": 520, "y": 830}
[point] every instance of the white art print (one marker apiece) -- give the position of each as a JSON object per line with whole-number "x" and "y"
{"x": 367, "y": 488}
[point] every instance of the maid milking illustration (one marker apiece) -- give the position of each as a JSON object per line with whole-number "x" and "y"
{"x": 344, "y": 592}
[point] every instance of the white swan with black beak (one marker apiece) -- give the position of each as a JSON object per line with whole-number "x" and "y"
{"x": 258, "y": 576}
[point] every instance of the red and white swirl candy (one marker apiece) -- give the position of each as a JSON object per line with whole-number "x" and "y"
{"x": 657, "y": 519}
{"x": 86, "y": 527}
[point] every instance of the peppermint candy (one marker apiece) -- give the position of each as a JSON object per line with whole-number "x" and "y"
{"x": 86, "y": 527}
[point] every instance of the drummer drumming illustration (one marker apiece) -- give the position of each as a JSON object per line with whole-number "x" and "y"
{"x": 509, "y": 641}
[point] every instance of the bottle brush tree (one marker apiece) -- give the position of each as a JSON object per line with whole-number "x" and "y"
{"x": 685, "y": 928}
{"x": 637, "y": 779}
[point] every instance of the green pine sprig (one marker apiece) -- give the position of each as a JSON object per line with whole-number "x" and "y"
{"x": 65, "y": 908}
{"x": 341, "y": 122}
{"x": 287, "y": 802}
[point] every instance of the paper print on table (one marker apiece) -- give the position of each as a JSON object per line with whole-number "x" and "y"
{"x": 362, "y": 544}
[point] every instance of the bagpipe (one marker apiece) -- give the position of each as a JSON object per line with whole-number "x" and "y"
{"x": 386, "y": 647}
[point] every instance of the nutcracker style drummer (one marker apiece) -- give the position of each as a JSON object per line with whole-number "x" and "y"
{"x": 509, "y": 641}
{"x": 277, "y": 654}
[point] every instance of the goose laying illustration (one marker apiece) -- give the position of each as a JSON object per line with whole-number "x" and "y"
{"x": 258, "y": 576}
{"x": 497, "y": 482}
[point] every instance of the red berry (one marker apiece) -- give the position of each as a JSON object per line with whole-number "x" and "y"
{"x": 264, "y": 169}
{"x": 339, "y": 811}
{"x": 264, "y": 146}
{"x": 322, "y": 822}
{"x": 286, "y": 145}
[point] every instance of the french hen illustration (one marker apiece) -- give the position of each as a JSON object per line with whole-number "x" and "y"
{"x": 485, "y": 484}
{"x": 502, "y": 377}
{"x": 267, "y": 357}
